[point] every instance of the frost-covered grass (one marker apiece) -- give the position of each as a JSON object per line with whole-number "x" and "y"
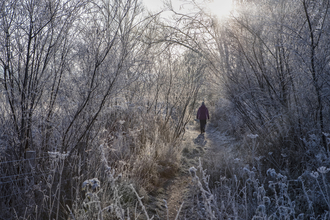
{"x": 109, "y": 178}
{"x": 261, "y": 176}
{"x": 242, "y": 185}
{"x": 247, "y": 185}
{"x": 133, "y": 156}
{"x": 249, "y": 195}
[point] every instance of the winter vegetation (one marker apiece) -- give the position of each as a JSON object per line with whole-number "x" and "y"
{"x": 96, "y": 97}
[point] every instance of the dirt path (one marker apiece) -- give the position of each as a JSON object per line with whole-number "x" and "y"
{"x": 195, "y": 146}
{"x": 176, "y": 191}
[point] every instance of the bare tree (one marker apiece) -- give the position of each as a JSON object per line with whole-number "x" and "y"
{"x": 254, "y": 52}
{"x": 35, "y": 41}
{"x": 316, "y": 16}
{"x": 61, "y": 62}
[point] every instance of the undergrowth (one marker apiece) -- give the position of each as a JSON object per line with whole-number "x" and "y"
{"x": 135, "y": 153}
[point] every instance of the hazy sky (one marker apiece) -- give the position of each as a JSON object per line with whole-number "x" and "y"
{"x": 155, "y": 5}
{"x": 216, "y": 7}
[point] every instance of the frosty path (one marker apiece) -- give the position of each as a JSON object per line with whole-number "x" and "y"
{"x": 195, "y": 146}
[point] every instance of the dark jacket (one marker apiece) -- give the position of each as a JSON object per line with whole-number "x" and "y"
{"x": 203, "y": 113}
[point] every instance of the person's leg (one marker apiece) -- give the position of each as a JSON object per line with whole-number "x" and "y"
{"x": 203, "y": 122}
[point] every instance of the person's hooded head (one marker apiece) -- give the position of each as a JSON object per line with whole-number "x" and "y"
{"x": 203, "y": 104}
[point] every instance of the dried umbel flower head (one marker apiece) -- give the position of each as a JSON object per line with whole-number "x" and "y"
{"x": 314, "y": 174}
{"x": 323, "y": 170}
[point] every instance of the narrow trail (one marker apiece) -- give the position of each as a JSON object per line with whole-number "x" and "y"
{"x": 195, "y": 146}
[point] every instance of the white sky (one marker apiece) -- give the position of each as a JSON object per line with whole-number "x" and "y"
{"x": 153, "y": 5}
{"x": 217, "y": 7}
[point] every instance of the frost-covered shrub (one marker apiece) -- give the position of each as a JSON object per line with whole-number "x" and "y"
{"x": 275, "y": 198}
{"x": 205, "y": 202}
{"x": 315, "y": 186}
{"x": 156, "y": 161}
{"x": 109, "y": 195}
{"x": 254, "y": 194}
{"x": 113, "y": 200}
{"x": 224, "y": 117}
{"x": 140, "y": 144}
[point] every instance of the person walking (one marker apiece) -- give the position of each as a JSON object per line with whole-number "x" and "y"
{"x": 202, "y": 115}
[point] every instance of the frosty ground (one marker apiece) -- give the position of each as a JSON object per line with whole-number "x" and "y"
{"x": 174, "y": 199}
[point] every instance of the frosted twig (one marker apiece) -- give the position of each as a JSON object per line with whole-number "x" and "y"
{"x": 141, "y": 203}
{"x": 166, "y": 209}
{"x": 72, "y": 216}
{"x": 177, "y": 214}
